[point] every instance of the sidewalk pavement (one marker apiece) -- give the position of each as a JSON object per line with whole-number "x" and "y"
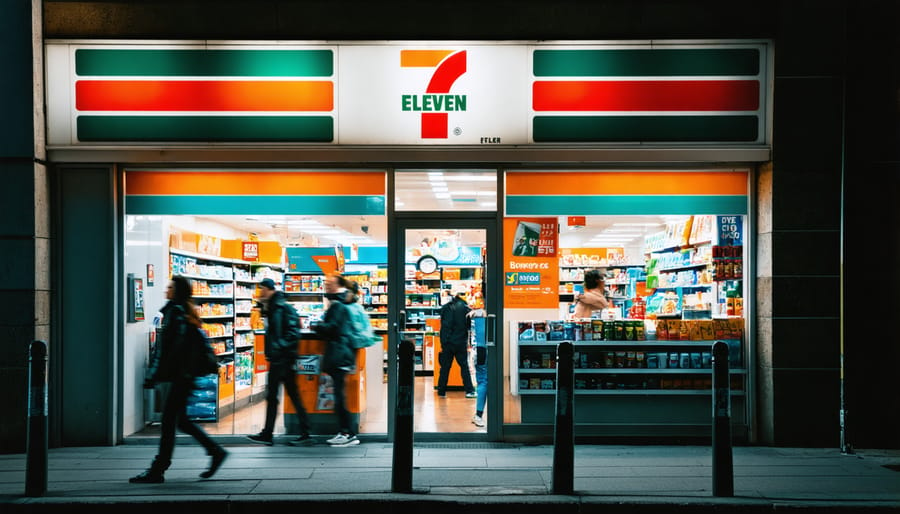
{"x": 457, "y": 478}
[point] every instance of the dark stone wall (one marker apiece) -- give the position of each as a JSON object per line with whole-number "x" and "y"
{"x": 23, "y": 232}
{"x": 872, "y": 226}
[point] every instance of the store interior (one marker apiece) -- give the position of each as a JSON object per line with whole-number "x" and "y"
{"x": 626, "y": 249}
{"x": 616, "y": 245}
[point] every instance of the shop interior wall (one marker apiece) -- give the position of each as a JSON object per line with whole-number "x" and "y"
{"x": 147, "y": 242}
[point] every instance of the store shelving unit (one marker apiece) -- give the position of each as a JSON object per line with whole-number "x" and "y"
{"x": 422, "y": 303}
{"x": 644, "y": 385}
{"x": 223, "y": 290}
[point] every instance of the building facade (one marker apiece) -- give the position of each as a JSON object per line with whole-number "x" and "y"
{"x": 819, "y": 222}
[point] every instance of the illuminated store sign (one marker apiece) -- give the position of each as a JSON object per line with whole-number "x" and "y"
{"x": 406, "y": 93}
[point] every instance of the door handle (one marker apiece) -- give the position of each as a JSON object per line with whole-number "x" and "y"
{"x": 491, "y": 330}
{"x": 401, "y": 323}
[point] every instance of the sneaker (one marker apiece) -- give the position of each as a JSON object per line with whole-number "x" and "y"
{"x": 261, "y": 438}
{"x": 343, "y": 440}
{"x": 478, "y": 420}
{"x": 217, "y": 461}
{"x": 148, "y": 477}
{"x": 442, "y": 395}
{"x": 303, "y": 440}
{"x": 471, "y": 395}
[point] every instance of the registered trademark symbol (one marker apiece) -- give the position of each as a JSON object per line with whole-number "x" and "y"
{"x": 457, "y": 131}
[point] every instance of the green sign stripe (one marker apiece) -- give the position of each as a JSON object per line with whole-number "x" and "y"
{"x": 644, "y": 63}
{"x": 597, "y": 205}
{"x": 312, "y": 129}
{"x": 204, "y": 63}
{"x": 594, "y": 129}
{"x": 256, "y": 204}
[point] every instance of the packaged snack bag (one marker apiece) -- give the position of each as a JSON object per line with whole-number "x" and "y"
{"x": 540, "y": 331}
{"x": 526, "y": 331}
{"x": 662, "y": 331}
{"x": 695, "y": 333}
{"x": 706, "y": 330}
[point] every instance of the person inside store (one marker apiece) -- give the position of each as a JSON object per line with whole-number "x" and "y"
{"x": 340, "y": 357}
{"x": 169, "y": 367}
{"x": 593, "y": 298}
{"x": 455, "y": 343}
{"x": 282, "y": 336}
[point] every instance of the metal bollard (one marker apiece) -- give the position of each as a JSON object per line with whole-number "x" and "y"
{"x": 722, "y": 466}
{"x": 402, "y": 469}
{"x": 36, "y": 458}
{"x": 564, "y": 427}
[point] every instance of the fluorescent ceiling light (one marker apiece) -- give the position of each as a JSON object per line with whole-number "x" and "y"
{"x": 470, "y": 178}
{"x": 621, "y": 233}
{"x": 439, "y": 189}
{"x": 487, "y": 204}
{"x": 323, "y": 231}
{"x": 442, "y": 195}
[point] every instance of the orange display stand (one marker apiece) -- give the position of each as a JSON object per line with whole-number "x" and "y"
{"x": 315, "y": 392}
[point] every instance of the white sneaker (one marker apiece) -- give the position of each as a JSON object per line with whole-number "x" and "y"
{"x": 343, "y": 440}
{"x": 478, "y": 420}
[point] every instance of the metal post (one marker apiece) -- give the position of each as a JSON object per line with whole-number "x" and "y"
{"x": 401, "y": 478}
{"x": 722, "y": 466}
{"x": 36, "y": 458}
{"x": 564, "y": 427}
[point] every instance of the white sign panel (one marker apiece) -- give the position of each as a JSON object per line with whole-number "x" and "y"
{"x": 433, "y": 95}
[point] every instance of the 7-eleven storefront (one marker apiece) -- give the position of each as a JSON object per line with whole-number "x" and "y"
{"x": 519, "y": 167}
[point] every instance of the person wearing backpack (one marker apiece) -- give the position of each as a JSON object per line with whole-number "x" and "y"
{"x": 282, "y": 335}
{"x": 340, "y": 356}
{"x": 171, "y": 365}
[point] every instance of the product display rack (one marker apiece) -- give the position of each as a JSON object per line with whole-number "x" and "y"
{"x": 223, "y": 291}
{"x": 423, "y": 303}
{"x": 647, "y": 386}
{"x": 306, "y": 292}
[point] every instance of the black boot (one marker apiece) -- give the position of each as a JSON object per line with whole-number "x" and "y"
{"x": 151, "y": 476}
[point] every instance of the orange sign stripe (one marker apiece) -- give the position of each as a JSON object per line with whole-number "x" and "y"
{"x": 253, "y": 183}
{"x": 627, "y": 183}
{"x": 422, "y": 58}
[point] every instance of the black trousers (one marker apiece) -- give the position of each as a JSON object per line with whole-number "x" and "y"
{"x": 283, "y": 373}
{"x": 175, "y": 415}
{"x": 445, "y": 359}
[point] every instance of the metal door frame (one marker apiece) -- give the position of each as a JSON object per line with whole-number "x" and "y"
{"x": 490, "y": 222}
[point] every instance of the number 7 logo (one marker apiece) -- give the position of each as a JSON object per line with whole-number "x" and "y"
{"x": 449, "y": 65}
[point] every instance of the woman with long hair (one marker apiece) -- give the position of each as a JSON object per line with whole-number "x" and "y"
{"x": 179, "y": 317}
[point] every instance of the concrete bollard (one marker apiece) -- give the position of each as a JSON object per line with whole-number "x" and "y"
{"x": 36, "y": 458}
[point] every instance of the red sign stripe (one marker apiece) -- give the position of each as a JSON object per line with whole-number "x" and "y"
{"x": 204, "y": 95}
{"x": 646, "y": 95}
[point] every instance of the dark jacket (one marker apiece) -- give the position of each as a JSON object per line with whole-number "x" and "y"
{"x": 280, "y": 346}
{"x": 455, "y": 324}
{"x": 333, "y": 329}
{"x": 168, "y": 360}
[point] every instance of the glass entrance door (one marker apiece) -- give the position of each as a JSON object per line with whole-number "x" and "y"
{"x": 444, "y": 298}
